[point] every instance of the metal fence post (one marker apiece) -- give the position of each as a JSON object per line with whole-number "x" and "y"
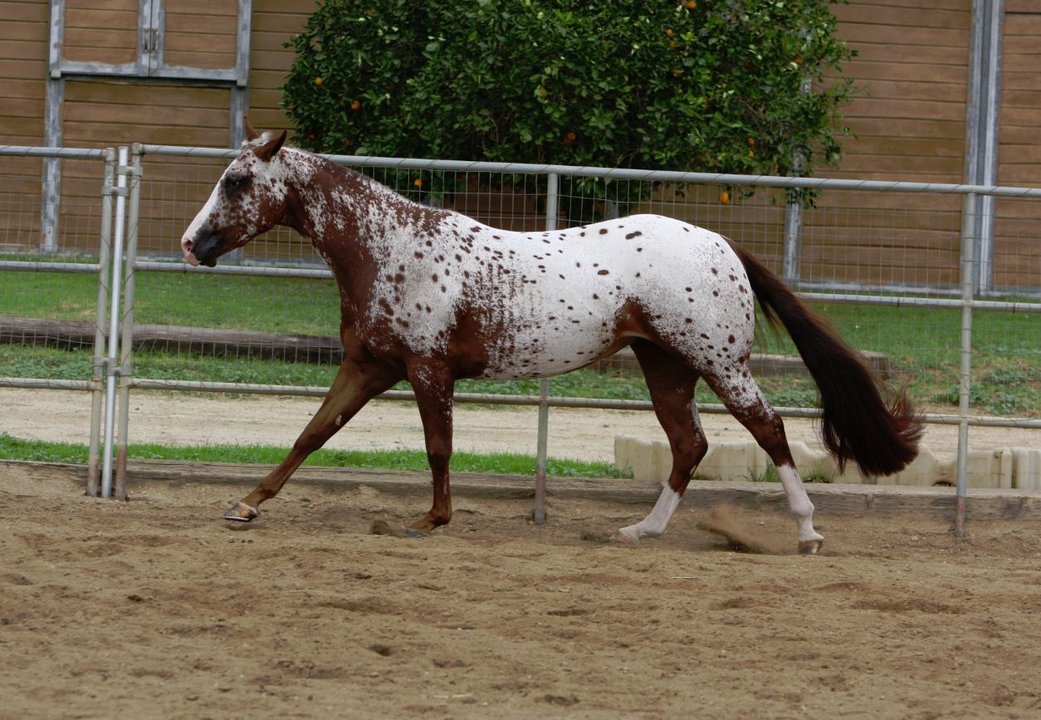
{"x": 792, "y": 239}
{"x": 112, "y": 357}
{"x": 129, "y": 294}
{"x": 968, "y": 285}
{"x": 982, "y": 127}
{"x": 98, "y": 374}
{"x": 542, "y": 447}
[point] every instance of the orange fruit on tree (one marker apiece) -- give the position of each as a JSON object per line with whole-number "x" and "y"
{"x": 724, "y": 197}
{"x": 356, "y": 104}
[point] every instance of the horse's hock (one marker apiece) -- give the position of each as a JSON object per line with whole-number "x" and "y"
{"x": 1013, "y": 468}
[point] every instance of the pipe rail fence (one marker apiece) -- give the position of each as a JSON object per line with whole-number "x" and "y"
{"x": 130, "y": 235}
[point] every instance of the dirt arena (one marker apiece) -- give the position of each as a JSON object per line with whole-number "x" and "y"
{"x": 157, "y": 609}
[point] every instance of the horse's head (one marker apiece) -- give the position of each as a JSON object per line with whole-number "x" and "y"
{"x": 249, "y": 199}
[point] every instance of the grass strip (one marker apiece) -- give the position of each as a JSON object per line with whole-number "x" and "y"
{"x": 12, "y": 448}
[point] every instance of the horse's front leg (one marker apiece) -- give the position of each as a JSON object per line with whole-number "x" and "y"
{"x": 355, "y": 385}
{"x": 434, "y": 385}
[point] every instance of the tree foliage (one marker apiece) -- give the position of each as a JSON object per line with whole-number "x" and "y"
{"x": 717, "y": 85}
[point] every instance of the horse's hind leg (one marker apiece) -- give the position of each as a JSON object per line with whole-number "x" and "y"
{"x": 743, "y": 398}
{"x": 354, "y": 386}
{"x": 434, "y": 385}
{"x": 671, "y": 383}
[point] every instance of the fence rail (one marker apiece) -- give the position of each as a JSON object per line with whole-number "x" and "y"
{"x": 855, "y": 245}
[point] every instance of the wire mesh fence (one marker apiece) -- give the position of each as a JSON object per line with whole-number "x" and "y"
{"x": 885, "y": 262}
{"x": 54, "y": 292}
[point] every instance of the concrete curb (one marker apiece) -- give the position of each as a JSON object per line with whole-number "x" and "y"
{"x": 1012, "y": 468}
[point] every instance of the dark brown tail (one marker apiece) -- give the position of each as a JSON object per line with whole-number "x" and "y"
{"x": 856, "y": 423}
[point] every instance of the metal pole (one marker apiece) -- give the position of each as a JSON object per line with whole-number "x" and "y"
{"x": 542, "y": 447}
{"x": 129, "y": 294}
{"x": 968, "y": 282}
{"x": 792, "y": 239}
{"x": 982, "y": 125}
{"x": 113, "y": 330}
{"x": 97, "y": 379}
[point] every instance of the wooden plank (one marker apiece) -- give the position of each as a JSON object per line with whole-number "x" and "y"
{"x": 92, "y": 18}
{"x": 901, "y": 166}
{"x": 23, "y": 130}
{"x": 1023, "y": 134}
{"x": 102, "y": 92}
{"x": 1024, "y": 175}
{"x": 1011, "y": 209}
{"x": 925, "y": 91}
{"x": 905, "y": 72}
{"x": 1018, "y": 154}
{"x": 1026, "y": 24}
{"x": 903, "y": 16}
{"x": 18, "y": 89}
{"x": 884, "y": 50}
{"x": 26, "y": 67}
{"x": 864, "y": 201}
{"x": 276, "y": 16}
{"x": 32, "y": 12}
{"x": 125, "y": 6}
{"x": 883, "y": 5}
{"x": 1021, "y": 45}
{"x": 1012, "y": 98}
{"x": 185, "y": 119}
{"x": 197, "y": 40}
{"x": 202, "y": 8}
{"x": 907, "y": 146}
{"x": 867, "y": 127}
{"x": 21, "y": 31}
{"x": 907, "y": 37}
{"x": 1025, "y": 79}
{"x": 898, "y": 109}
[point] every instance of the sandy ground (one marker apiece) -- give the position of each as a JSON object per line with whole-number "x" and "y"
{"x": 181, "y": 419}
{"x": 154, "y": 609}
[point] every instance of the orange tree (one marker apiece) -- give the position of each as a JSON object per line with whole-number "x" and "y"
{"x": 743, "y": 86}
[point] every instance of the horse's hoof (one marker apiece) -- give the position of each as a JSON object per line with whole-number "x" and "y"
{"x": 627, "y": 536}
{"x": 414, "y": 533}
{"x": 810, "y": 547}
{"x": 241, "y": 512}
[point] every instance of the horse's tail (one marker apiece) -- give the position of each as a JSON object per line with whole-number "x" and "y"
{"x": 856, "y": 423}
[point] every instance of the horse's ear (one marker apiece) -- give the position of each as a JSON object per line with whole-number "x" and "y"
{"x": 267, "y": 151}
{"x": 251, "y": 134}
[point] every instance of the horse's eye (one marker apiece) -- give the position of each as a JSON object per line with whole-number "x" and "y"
{"x": 235, "y": 182}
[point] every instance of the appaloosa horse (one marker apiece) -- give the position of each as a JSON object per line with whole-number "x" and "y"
{"x": 431, "y": 296}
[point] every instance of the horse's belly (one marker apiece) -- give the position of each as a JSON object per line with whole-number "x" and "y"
{"x": 540, "y": 355}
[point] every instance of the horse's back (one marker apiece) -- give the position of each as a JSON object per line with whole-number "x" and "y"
{"x": 560, "y": 300}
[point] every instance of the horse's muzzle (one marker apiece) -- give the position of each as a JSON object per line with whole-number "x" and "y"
{"x": 203, "y": 251}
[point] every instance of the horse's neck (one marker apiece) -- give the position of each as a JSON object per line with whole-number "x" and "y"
{"x": 350, "y": 218}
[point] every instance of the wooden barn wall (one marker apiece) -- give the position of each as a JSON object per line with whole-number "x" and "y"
{"x": 1017, "y": 257}
{"x": 907, "y": 123}
{"x": 23, "y": 67}
{"x": 274, "y": 22}
{"x": 24, "y": 36}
